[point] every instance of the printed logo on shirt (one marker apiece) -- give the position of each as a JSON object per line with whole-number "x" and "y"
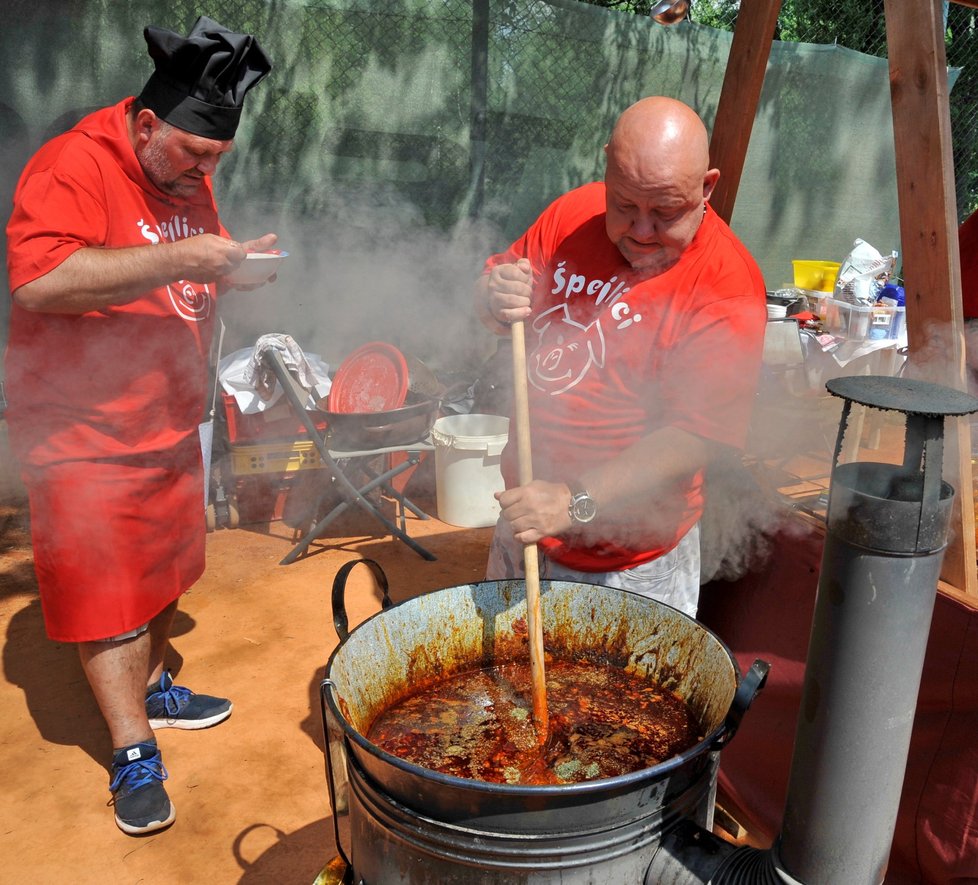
{"x": 603, "y": 291}
{"x": 567, "y": 349}
{"x": 176, "y": 227}
{"x": 564, "y": 352}
{"x": 191, "y": 301}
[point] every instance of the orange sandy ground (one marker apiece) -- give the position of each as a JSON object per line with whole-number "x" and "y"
{"x": 251, "y": 796}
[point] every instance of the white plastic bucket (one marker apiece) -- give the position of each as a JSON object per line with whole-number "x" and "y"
{"x": 467, "y": 472}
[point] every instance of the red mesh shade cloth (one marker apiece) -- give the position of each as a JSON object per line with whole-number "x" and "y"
{"x": 768, "y": 615}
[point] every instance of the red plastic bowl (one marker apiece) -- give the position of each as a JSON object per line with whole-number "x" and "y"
{"x": 374, "y": 378}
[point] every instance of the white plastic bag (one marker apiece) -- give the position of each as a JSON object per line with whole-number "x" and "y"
{"x": 863, "y": 274}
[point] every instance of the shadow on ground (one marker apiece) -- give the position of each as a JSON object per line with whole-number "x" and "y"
{"x": 55, "y": 690}
{"x": 265, "y": 854}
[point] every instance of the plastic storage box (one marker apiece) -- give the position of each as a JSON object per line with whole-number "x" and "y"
{"x": 861, "y": 323}
{"x": 277, "y": 423}
{"x": 817, "y": 301}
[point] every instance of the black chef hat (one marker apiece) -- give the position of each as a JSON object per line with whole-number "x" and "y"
{"x": 200, "y": 80}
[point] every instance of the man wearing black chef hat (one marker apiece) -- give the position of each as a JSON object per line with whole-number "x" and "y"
{"x": 116, "y": 255}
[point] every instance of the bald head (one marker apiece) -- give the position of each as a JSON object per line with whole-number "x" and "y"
{"x": 658, "y": 136}
{"x": 658, "y": 179}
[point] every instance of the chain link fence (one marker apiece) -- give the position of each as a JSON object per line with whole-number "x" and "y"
{"x": 436, "y": 104}
{"x": 857, "y": 26}
{"x": 404, "y": 126}
{"x": 521, "y": 79}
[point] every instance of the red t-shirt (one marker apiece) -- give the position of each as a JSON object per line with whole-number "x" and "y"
{"x": 128, "y": 379}
{"x": 612, "y": 357}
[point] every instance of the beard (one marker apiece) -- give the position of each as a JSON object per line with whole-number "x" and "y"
{"x": 649, "y": 264}
{"x": 159, "y": 171}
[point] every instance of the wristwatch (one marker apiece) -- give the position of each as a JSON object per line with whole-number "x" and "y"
{"x": 582, "y": 507}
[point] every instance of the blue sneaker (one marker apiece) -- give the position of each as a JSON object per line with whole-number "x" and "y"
{"x": 172, "y": 706}
{"x": 141, "y": 803}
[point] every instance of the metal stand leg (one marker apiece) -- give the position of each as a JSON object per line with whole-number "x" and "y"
{"x": 374, "y": 483}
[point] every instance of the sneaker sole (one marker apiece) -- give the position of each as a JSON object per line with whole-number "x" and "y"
{"x": 191, "y": 724}
{"x": 151, "y": 827}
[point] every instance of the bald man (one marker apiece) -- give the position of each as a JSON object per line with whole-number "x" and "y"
{"x": 644, "y": 323}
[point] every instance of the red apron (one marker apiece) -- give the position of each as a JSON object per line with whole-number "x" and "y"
{"x": 115, "y": 541}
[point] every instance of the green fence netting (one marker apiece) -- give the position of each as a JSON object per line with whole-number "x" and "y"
{"x": 396, "y": 144}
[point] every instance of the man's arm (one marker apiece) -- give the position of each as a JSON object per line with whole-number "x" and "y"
{"x": 644, "y": 471}
{"x": 93, "y": 278}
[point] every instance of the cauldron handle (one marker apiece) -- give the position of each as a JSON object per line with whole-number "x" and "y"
{"x": 340, "y": 620}
{"x": 748, "y": 689}
{"x": 336, "y": 778}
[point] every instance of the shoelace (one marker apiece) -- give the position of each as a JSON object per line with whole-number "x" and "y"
{"x": 137, "y": 774}
{"x": 175, "y": 698}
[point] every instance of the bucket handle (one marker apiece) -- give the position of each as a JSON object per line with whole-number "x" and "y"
{"x": 749, "y": 688}
{"x": 494, "y": 448}
{"x": 340, "y": 621}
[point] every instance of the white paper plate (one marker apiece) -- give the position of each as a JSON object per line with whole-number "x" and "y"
{"x": 256, "y": 268}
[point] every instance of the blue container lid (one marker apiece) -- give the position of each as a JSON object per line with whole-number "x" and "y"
{"x": 894, "y": 292}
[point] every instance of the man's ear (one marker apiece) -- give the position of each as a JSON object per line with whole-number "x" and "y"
{"x": 709, "y": 182}
{"x": 145, "y": 125}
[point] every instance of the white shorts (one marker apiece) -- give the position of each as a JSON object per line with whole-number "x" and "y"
{"x": 673, "y": 578}
{"x": 129, "y": 634}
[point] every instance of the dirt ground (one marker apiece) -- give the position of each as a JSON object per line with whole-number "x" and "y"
{"x": 251, "y": 796}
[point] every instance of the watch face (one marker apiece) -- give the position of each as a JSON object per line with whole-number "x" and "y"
{"x": 583, "y": 508}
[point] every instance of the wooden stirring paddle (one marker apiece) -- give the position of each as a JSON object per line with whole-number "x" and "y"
{"x": 534, "y": 622}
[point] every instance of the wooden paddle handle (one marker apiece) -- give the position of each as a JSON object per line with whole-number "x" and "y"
{"x": 521, "y": 405}
{"x": 531, "y": 560}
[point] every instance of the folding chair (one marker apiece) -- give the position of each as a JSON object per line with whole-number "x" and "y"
{"x": 336, "y": 460}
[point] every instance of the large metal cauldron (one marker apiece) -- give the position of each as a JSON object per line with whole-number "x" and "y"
{"x": 409, "y": 824}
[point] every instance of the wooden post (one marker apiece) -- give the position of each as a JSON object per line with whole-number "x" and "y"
{"x": 741, "y": 91}
{"x": 928, "y": 234}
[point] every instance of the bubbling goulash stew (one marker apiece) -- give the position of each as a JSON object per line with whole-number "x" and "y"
{"x": 604, "y": 722}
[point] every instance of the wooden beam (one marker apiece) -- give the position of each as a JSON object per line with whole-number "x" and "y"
{"x": 928, "y": 234}
{"x": 958, "y": 595}
{"x": 739, "y": 96}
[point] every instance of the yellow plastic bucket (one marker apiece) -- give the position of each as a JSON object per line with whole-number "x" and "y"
{"x": 817, "y": 276}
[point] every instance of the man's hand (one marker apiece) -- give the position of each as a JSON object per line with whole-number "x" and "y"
{"x": 208, "y": 257}
{"x": 503, "y": 295}
{"x": 510, "y": 286}
{"x": 537, "y": 510}
{"x": 261, "y": 244}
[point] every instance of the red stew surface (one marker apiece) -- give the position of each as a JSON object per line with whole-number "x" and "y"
{"x": 604, "y": 722}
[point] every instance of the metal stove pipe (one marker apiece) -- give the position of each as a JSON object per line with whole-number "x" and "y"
{"x": 886, "y": 534}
